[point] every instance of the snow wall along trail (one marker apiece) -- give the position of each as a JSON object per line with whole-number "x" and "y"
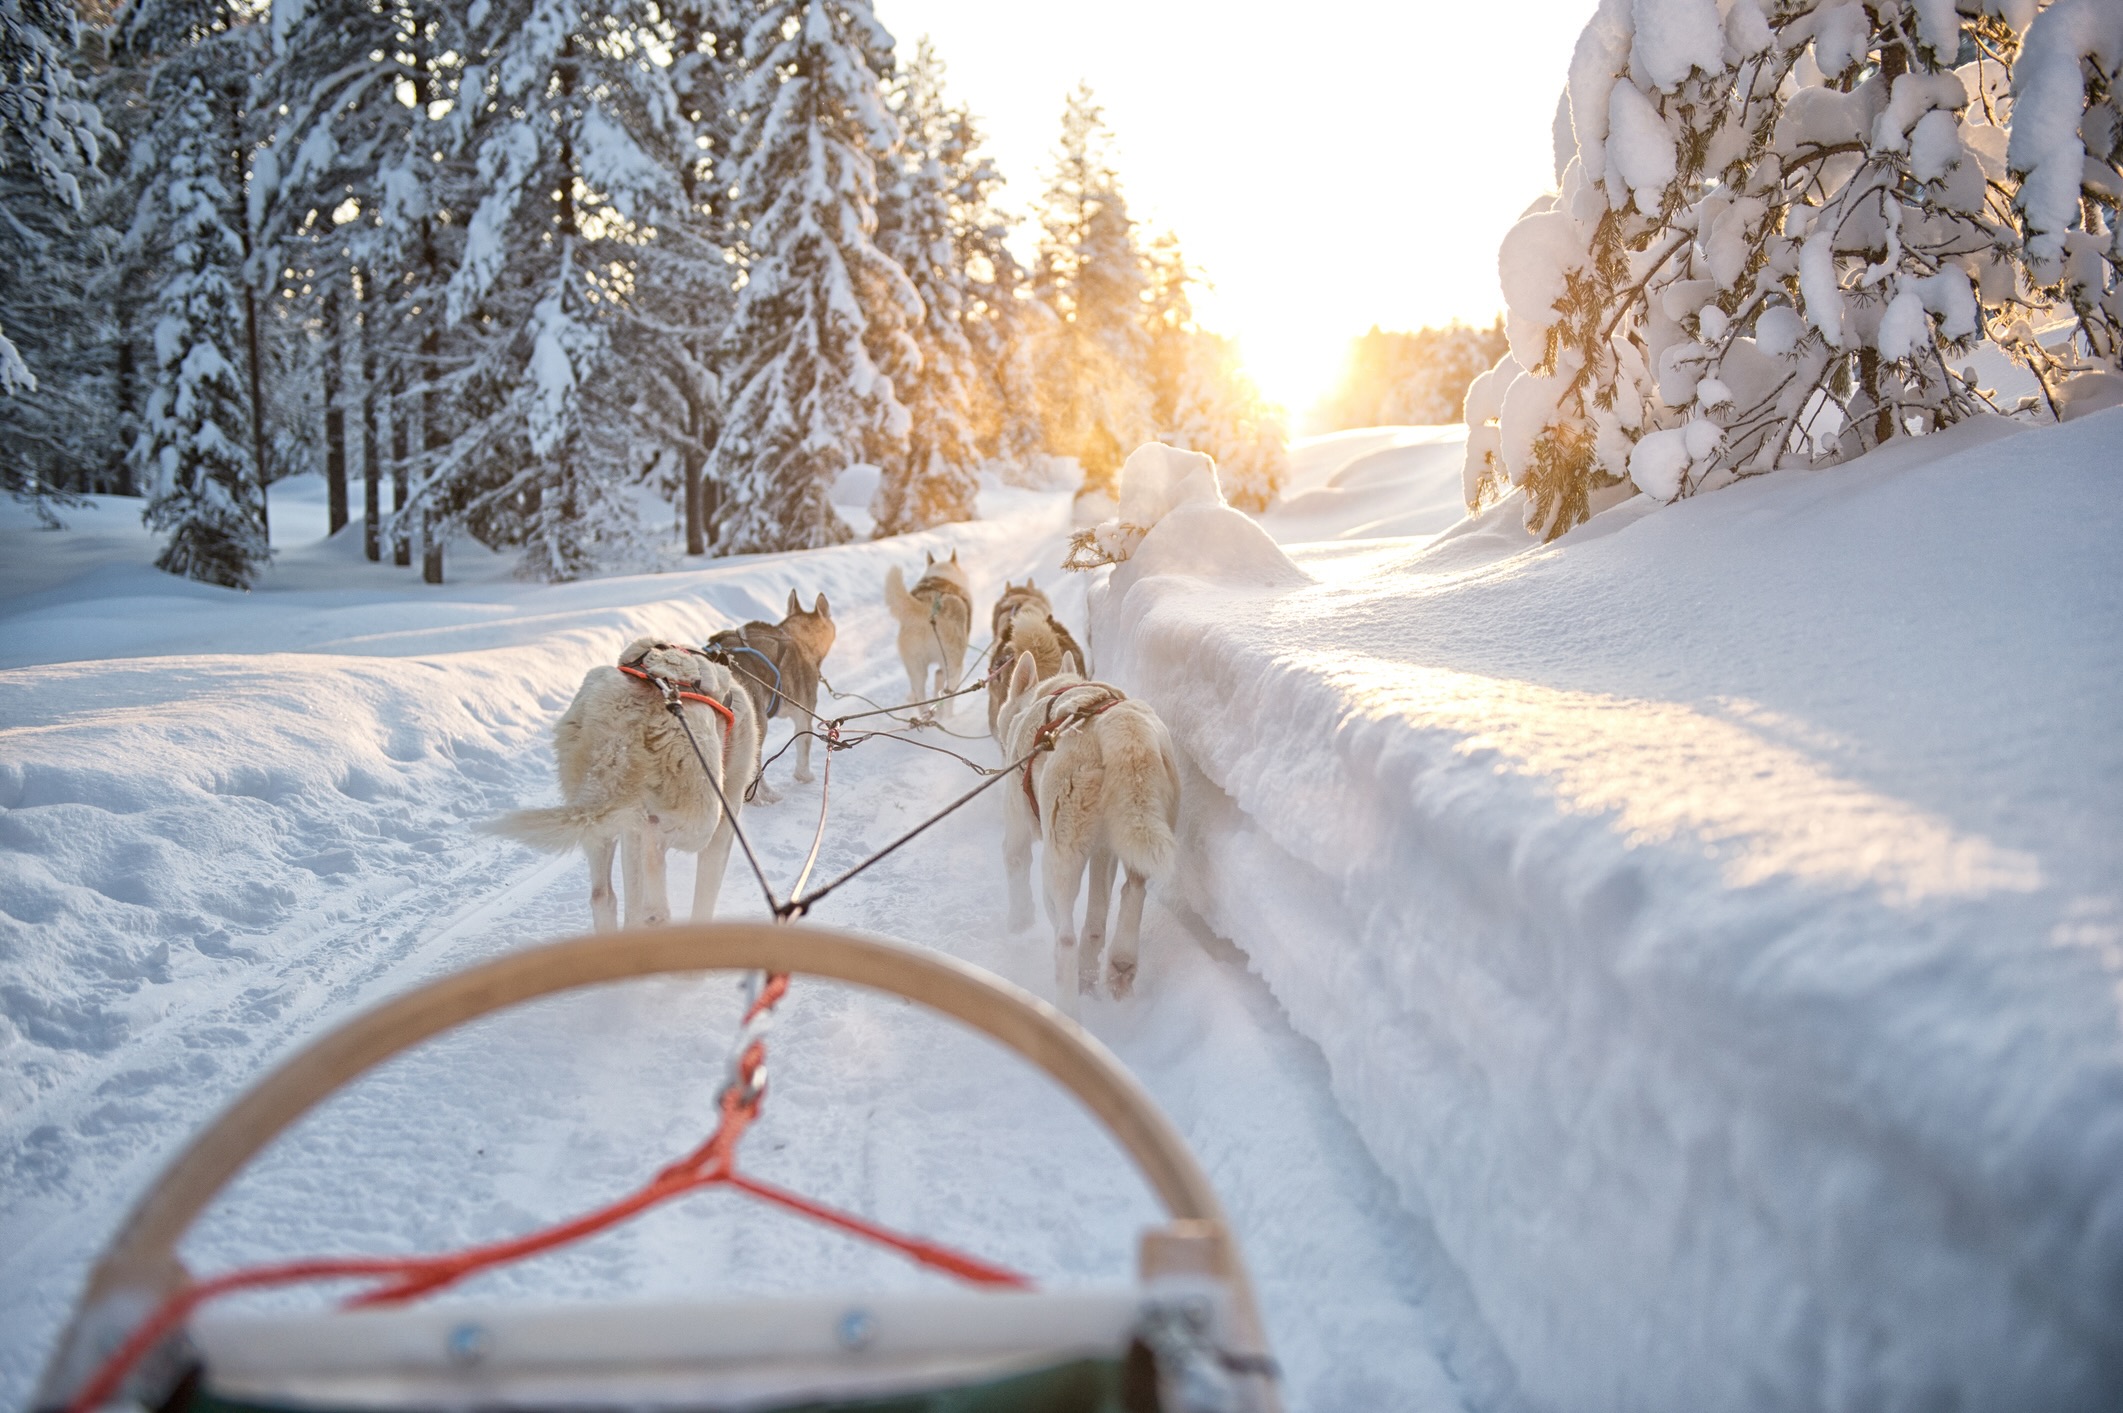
{"x": 1713, "y": 921}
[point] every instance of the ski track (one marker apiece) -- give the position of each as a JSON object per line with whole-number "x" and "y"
{"x": 875, "y": 1106}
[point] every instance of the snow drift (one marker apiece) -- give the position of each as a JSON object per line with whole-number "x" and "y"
{"x": 1714, "y": 920}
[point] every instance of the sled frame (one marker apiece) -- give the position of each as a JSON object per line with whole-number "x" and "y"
{"x": 141, "y": 1265}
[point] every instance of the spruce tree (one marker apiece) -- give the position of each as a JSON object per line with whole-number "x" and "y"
{"x": 1003, "y": 325}
{"x": 1770, "y": 242}
{"x": 933, "y": 483}
{"x": 192, "y": 447}
{"x": 1093, "y": 275}
{"x": 563, "y": 124}
{"x": 808, "y": 393}
{"x": 2066, "y": 150}
{"x": 53, "y": 338}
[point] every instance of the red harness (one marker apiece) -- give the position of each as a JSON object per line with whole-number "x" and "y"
{"x": 729, "y": 718}
{"x": 1049, "y": 727}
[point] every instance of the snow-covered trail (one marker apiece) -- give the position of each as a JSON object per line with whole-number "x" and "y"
{"x": 874, "y": 1106}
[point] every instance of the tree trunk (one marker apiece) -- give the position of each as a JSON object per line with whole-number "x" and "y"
{"x": 371, "y": 465}
{"x": 250, "y": 334}
{"x": 239, "y": 187}
{"x": 334, "y": 420}
{"x": 696, "y": 511}
{"x": 127, "y": 414}
{"x": 431, "y": 438}
{"x": 401, "y": 451}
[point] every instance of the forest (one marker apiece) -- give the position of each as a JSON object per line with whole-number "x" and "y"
{"x": 523, "y": 271}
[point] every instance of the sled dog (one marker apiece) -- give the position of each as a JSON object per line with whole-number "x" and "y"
{"x": 629, "y": 781}
{"x": 779, "y": 665}
{"x": 1107, "y": 794}
{"x": 935, "y": 620}
{"x": 1031, "y": 631}
{"x": 1041, "y": 634}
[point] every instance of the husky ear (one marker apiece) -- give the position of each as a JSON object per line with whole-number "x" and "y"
{"x": 927, "y": 558}
{"x": 1022, "y": 677}
{"x": 795, "y": 606}
{"x": 1071, "y": 666}
{"x": 954, "y": 555}
{"x": 821, "y": 608}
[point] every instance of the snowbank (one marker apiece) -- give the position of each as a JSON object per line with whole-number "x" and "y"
{"x": 1713, "y": 921}
{"x": 1377, "y": 482}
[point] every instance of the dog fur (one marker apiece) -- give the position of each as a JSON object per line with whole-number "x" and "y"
{"x": 1106, "y": 795}
{"x": 794, "y": 652}
{"x": 1023, "y": 621}
{"x": 629, "y": 781}
{"x": 935, "y": 623}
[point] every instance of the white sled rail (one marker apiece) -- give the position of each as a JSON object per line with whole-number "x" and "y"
{"x": 141, "y": 1264}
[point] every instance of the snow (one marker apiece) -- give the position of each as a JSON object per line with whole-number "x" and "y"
{"x": 2049, "y": 104}
{"x": 231, "y": 819}
{"x": 1383, "y": 481}
{"x": 1638, "y": 144}
{"x": 1672, "y": 967}
{"x": 1712, "y": 920}
{"x": 1674, "y": 37}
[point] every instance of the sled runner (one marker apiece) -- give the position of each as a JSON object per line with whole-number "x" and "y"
{"x": 1185, "y": 1335}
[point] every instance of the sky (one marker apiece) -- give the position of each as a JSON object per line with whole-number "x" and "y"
{"x": 1330, "y": 165}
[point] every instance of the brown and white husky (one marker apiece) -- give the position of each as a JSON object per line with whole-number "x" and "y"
{"x": 780, "y": 665}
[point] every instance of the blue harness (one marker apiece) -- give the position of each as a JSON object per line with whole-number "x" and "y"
{"x": 741, "y": 646}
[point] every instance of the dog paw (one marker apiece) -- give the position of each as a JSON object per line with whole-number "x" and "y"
{"x": 1120, "y": 978}
{"x": 803, "y": 777}
{"x": 1020, "y": 919}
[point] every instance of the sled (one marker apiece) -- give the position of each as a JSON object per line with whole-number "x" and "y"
{"x": 1185, "y": 1334}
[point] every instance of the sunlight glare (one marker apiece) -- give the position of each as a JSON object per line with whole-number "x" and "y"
{"x": 1354, "y": 165}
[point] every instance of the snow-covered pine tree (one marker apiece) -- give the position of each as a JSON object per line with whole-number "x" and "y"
{"x": 1174, "y": 352}
{"x": 1092, "y": 273}
{"x": 1218, "y": 410}
{"x": 671, "y": 295}
{"x": 2066, "y": 150}
{"x": 48, "y": 127}
{"x": 682, "y": 296}
{"x": 53, "y": 341}
{"x": 1769, "y": 241}
{"x": 559, "y": 115}
{"x": 218, "y": 46}
{"x": 192, "y": 447}
{"x": 1002, "y": 326}
{"x": 808, "y": 393}
{"x": 933, "y": 483}
{"x": 341, "y": 90}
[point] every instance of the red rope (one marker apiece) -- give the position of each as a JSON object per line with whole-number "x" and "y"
{"x": 404, "y": 1278}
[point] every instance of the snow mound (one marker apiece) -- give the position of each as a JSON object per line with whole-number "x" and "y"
{"x": 1713, "y": 920}
{"x": 1408, "y": 486}
{"x": 1172, "y": 520}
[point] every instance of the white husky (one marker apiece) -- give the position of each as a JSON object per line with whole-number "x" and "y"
{"x": 1106, "y": 794}
{"x": 630, "y": 780}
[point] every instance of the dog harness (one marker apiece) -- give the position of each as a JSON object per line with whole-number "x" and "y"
{"x": 938, "y": 585}
{"x": 729, "y": 718}
{"x": 744, "y": 645}
{"x": 1051, "y": 726}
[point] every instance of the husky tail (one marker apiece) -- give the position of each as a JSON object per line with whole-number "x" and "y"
{"x": 897, "y": 598}
{"x": 1141, "y": 794}
{"x": 555, "y": 829}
